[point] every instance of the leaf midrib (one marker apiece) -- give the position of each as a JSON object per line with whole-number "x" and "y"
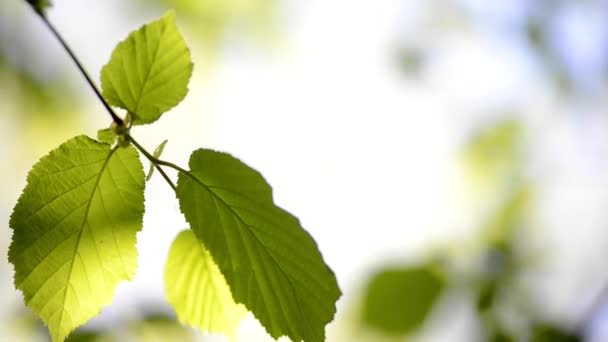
{"x": 82, "y": 226}
{"x": 241, "y": 220}
{"x": 147, "y": 76}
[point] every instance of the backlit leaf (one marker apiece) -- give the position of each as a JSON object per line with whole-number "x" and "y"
{"x": 148, "y": 72}
{"x": 197, "y": 289}
{"x": 74, "y": 231}
{"x": 106, "y": 135}
{"x": 270, "y": 262}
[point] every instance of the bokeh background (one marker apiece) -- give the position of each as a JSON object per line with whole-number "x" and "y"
{"x": 450, "y": 157}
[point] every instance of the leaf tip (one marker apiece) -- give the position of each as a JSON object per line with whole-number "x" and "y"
{"x": 158, "y": 92}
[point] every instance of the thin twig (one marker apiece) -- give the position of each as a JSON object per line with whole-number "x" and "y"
{"x": 166, "y": 177}
{"x": 56, "y": 33}
{"x": 155, "y": 161}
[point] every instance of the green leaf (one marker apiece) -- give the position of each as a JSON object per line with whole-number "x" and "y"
{"x": 270, "y": 262}
{"x": 107, "y": 136}
{"x": 398, "y": 300}
{"x": 486, "y": 297}
{"x": 157, "y": 153}
{"x": 74, "y": 231}
{"x": 148, "y": 72}
{"x": 197, "y": 289}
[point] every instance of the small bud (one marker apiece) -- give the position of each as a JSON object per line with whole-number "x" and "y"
{"x": 123, "y": 141}
{"x": 119, "y": 129}
{"x": 107, "y": 136}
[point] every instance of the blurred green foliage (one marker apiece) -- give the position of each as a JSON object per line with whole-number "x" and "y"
{"x": 153, "y": 327}
{"x": 397, "y": 300}
{"x": 215, "y": 20}
{"x": 37, "y": 99}
{"x": 536, "y": 26}
{"x": 34, "y": 97}
{"x": 494, "y": 156}
{"x": 550, "y": 333}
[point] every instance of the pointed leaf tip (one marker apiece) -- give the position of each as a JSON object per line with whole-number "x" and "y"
{"x": 270, "y": 262}
{"x": 149, "y": 71}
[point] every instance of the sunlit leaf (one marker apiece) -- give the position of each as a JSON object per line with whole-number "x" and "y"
{"x": 106, "y": 135}
{"x": 148, "y": 72}
{"x": 270, "y": 262}
{"x": 74, "y": 231}
{"x": 486, "y": 296}
{"x": 398, "y": 300}
{"x": 197, "y": 289}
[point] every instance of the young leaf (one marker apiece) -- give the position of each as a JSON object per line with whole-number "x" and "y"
{"x": 270, "y": 262}
{"x": 74, "y": 231}
{"x": 397, "y": 301}
{"x": 149, "y": 71}
{"x": 157, "y": 153}
{"x": 197, "y": 289}
{"x": 107, "y": 136}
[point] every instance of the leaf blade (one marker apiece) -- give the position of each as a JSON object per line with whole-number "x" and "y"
{"x": 61, "y": 222}
{"x": 270, "y": 262}
{"x": 149, "y": 71}
{"x": 190, "y": 271}
{"x": 106, "y": 135}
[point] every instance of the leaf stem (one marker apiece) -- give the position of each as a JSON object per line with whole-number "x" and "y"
{"x": 57, "y": 35}
{"x": 158, "y": 162}
{"x": 155, "y": 161}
